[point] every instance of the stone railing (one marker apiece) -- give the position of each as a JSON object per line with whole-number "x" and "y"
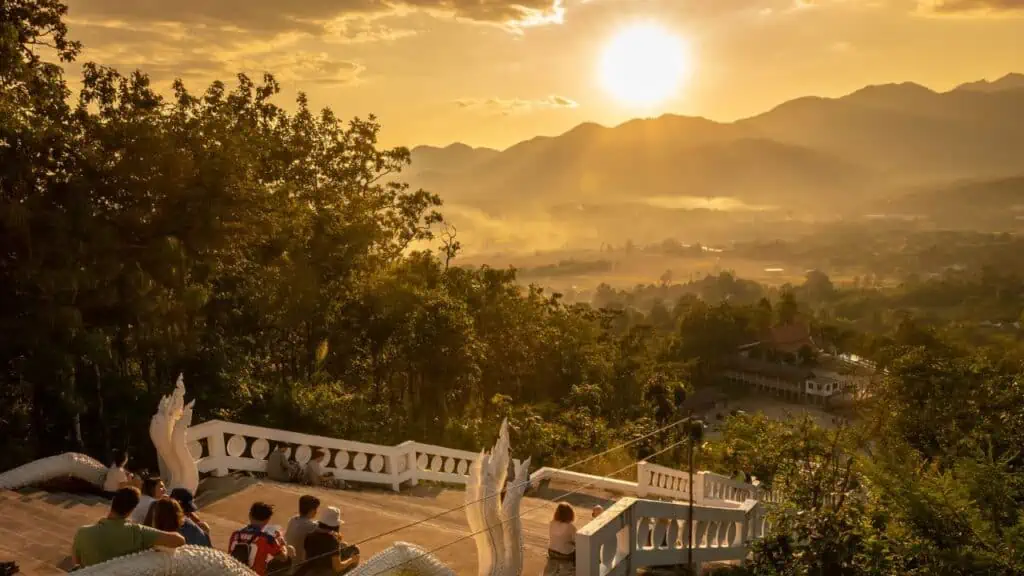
{"x": 657, "y": 481}
{"x": 718, "y": 487}
{"x": 654, "y": 480}
{"x": 221, "y": 447}
{"x": 636, "y": 533}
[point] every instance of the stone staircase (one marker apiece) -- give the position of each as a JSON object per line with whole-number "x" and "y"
{"x": 37, "y": 528}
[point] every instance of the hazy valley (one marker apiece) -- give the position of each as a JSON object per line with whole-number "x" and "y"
{"x": 890, "y": 155}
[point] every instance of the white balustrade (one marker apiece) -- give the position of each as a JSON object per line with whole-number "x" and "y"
{"x": 655, "y": 480}
{"x": 637, "y": 533}
{"x": 220, "y": 447}
{"x": 589, "y": 480}
{"x": 719, "y": 487}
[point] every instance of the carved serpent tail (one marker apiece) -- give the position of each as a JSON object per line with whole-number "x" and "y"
{"x": 62, "y": 465}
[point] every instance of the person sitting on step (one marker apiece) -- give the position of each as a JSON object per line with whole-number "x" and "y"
{"x": 115, "y": 536}
{"x": 280, "y": 468}
{"x": 315, "y": 474}
{"x": 152, "y": 490}
{"x": 259, "y": 547}
{"x": 188, "y": 506}
{"x": 117, "y": 477}
{"x": 302, "y": 525}
{"x": 562, "y": 534}
{"x": 169, "y": 517}
{"x": 327, "y": 553}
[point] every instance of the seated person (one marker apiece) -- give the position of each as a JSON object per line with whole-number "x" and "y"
{"x": 169, "y": 517}
{"x": 117, "y": 477}
{"x": 115, "y": 536}
{"x": 315, "y": 475}
{"x": 257, "y": 548}
{"x": 301, "y": 525}
{"x": 327, "y": 553}
{"x": 596, "y": 511}
{"x": 188, "y": 506}
{"x": 279, "y": 467}
{"x": 562, "y": 534}
{"x": 152, "y": 490}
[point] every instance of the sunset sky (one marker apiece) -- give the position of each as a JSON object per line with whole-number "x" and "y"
{"x": 494, "y": 72}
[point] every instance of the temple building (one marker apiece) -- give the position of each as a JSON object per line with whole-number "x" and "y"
{"x": 786, "y": 361}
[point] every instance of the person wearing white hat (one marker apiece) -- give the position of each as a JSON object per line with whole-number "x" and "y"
{"x": 326, "y": 551}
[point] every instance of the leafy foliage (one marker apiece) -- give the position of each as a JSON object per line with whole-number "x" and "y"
{"x": 269, "y": 256}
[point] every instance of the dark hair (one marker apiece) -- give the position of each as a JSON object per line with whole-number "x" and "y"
{"x": 280, "y": 445}
{"x": 149, "y": 485}
{"x": 167, "y": 515}
{"x": 261, "y": 511}
{"x": 318, "y": 454}
{"x": 564, "y": 513}
{"x": 308, "y": 504}
{"x": 118, "y": 457}
{"x": 125, "y": 500}
{"x": 327, "y": 528}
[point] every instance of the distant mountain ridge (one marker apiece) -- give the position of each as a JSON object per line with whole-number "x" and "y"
{"x": 811, "y": 151}
{"x": 1012, "y": 81}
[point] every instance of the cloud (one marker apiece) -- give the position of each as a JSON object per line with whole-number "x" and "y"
{"x": 507, "y": 107}
{"x": 168, "y": 50}
{"x": 312, "y": 16}
{"x": 971, "y": 7}
{"x": 303, "y": 67}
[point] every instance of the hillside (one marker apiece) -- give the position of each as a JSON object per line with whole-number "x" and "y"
{"x": 995, "y": 204}
{"x": 823, "y": 153}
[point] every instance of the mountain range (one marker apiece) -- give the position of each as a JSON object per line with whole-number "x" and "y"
{"x": 817, "y": 154}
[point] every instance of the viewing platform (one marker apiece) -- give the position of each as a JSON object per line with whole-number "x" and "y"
{"x": 412, "y": 492}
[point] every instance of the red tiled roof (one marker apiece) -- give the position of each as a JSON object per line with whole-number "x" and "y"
{"x": 789, "y": 337}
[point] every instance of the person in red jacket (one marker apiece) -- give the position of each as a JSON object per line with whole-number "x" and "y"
{"x": 258, "y": 548}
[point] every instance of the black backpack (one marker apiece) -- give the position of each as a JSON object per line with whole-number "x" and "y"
{"x": 243, "y": 548}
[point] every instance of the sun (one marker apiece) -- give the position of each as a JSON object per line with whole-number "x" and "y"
{"x": 644, "y": 65}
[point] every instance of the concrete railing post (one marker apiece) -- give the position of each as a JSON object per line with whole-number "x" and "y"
{"x": 218, "y": 453}
{"x": 643, "y": 479}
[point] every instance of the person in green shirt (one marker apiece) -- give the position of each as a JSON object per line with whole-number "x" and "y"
{"x": 116, "y": 536}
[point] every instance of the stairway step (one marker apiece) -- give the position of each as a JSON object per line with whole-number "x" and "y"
{"x": 28, "y": 546}
{"x": 44, "y": 516}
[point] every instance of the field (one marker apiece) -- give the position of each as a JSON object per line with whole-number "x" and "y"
{"x": 574, "y": 270}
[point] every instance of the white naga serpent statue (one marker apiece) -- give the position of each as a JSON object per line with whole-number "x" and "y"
{"x": 493, "y": 521}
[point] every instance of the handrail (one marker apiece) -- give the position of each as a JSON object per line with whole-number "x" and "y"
{"x": 636, "y": 533}
{"x": 220, "y": 447}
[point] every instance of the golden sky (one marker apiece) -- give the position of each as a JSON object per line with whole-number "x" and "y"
{"x": 494, "y": 72}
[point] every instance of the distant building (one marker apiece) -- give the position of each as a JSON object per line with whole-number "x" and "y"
{"x": 786, "y": 362}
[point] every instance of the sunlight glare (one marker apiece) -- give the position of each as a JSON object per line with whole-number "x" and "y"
{"x": 644, "y": 65}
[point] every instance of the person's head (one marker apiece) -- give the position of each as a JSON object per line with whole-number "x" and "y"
{"x": 330, "y": 519}
{"x": 564, "y": 513}
{"x": 308, "y": 505}
{"x": 154, "y": 487}
{"x": 184, "y": 499}
{"x": 282, "y": 447}
{"x": 319, "y": 455}
{"x": 596, "y": 511}
{"x": 124, "y": 502}
{"x": 260, "y": 513}
{"x": 118, "y": 458}
{"x": 167, "y": 515}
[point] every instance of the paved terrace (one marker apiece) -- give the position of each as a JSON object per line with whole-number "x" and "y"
{"x": 39, "y": 526}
